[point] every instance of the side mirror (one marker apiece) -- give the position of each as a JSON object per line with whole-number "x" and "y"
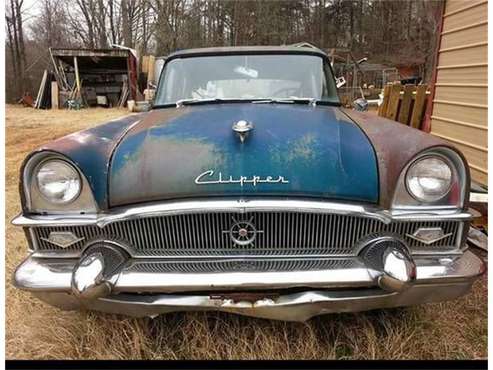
{"x": 340, "y": 81}
{"x": 360, "y": 105}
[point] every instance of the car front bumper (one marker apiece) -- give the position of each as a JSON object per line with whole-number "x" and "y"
{"x": 290, "y": 296}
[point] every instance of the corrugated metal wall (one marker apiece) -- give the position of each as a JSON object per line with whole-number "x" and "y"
{"x": 460, "y": 104}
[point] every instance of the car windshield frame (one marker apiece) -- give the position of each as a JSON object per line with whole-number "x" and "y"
{"x": 328, "y": 90}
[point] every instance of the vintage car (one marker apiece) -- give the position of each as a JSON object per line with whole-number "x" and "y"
{"x": 247, "y": 188}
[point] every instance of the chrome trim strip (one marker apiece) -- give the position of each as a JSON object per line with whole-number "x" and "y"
{"x": 77, "y": 254}
{"x": 240, "y": 206}
{"x": 34, "y": 240}
{"x": 431, "y": 215}
{"x": 460, "y": 236}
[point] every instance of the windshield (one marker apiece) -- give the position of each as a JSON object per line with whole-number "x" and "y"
{"x": 247, "y": 77}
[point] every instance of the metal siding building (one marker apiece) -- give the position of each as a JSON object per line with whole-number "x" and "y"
{"x": 459, "y": 112}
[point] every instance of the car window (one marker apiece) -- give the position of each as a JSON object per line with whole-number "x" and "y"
{"x": 246, "y": 77}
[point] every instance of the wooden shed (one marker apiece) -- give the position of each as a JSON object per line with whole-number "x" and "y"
{"x": 108, "y": 73}
{"x": 459, "y": 109}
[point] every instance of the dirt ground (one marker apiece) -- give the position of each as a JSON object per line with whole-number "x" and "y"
{"x": 34, "y": 330}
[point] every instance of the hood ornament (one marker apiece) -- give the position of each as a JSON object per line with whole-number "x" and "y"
{"x": 242, "y": 129}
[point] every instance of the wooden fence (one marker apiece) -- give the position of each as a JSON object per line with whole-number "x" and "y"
{"x": 404, "y": 103}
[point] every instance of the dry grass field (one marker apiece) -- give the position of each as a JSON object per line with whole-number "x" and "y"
{"x": 34, "y": 330}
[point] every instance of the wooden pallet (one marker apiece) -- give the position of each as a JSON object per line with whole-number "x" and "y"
{"x": 404, "y": 103}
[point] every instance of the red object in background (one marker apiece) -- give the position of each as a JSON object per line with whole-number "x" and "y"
{"x": 27, "y": 100}
{"x": 406, "y": 72}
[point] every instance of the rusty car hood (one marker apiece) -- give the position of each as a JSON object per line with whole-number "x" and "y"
{"x": 395, "y": 144}
{"x": 293, "y": 150}
{"x": 91, "y": 150}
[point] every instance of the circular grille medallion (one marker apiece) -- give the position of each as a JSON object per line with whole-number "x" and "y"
{"x": 243, "y": 233}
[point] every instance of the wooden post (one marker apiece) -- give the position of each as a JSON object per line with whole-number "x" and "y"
{"x": 395, "y": 96}
{"x": 407, "y": 100}
{"x": 54, "y": 95}
{"x": 41, "y": 89}
{"x": 144, "y": 68}
{"x": 419, "y": 106}
{"x": 382, "y": 109}
{"x": 150, "y": 70}
{"x": 77, "y": 79}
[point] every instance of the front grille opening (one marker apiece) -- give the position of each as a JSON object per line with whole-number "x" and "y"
{"x": 243, "y": 265}
{"x": 282, "y": 234}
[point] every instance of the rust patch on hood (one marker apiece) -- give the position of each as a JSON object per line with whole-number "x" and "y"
{"x": 395, "y": 145}
{"x": 157, "y": 118}
{"x": 146, "y": 170}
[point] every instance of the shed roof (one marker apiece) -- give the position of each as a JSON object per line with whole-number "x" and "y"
{"x": 94, "y": 59}
{"x": 115, "y": 52}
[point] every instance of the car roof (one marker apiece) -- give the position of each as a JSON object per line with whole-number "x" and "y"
{"x": 231, "y": 50}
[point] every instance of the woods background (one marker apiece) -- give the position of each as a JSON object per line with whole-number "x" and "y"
{"x": 390, "y": 32}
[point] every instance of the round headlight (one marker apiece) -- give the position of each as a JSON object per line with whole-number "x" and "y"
{"x": 429, "y": 179}
{"x": 58, "y": 182}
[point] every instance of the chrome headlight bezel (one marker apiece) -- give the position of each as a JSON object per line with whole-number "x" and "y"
{"x": 423, "y": 198}
{"x": 36, "y": 202}
{"x": 69, "y": 167}
{"x": 453, "y": 198}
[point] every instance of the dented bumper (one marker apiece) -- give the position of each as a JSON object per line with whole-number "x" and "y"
{"x": 291, "y": 296}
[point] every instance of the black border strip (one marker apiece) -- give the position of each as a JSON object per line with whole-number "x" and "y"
{"x": 254, "y": 365}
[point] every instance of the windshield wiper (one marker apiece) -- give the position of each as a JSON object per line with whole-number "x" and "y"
{"x": 182, "y": 102}
{"x": 293, "y": 100}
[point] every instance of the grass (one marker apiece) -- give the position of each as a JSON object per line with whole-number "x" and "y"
{"x": 34, "y": 330}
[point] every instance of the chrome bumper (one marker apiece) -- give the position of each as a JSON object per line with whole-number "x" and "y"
{"x": 323, "y": 291}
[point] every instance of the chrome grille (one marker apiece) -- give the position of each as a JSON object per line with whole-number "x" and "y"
{"x": 232, "y": 265}
{"x": 284, "y": 233}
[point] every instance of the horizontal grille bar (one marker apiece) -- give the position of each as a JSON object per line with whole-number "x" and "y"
{"x": 252, "y": 265}
{"x": 278, "y": 233}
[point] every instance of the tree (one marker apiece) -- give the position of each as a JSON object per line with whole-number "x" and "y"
{"x": 384, "y": 31}
{"x": 15, "y": 32}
